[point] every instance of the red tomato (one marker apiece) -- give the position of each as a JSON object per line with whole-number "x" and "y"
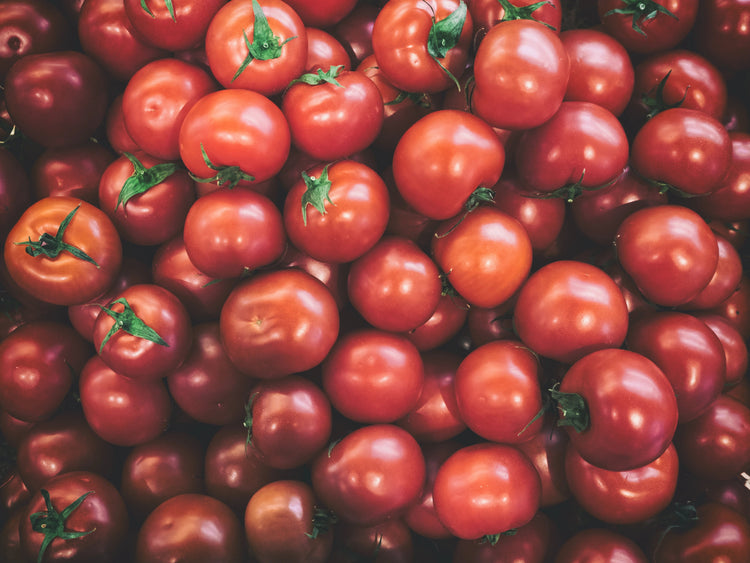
{"x": 324, "y": 51}
{"x": 600, "y": 544}
{"x": 722, "y": 35}
{"x": 546, "y": 450}
{"x": 446, "y": 322}
{"x": 322, "y": 13}
{"x": 735, "y": 349}
{"x": 488, "y": 13}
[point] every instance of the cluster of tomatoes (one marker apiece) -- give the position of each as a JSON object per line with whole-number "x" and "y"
{"x": 361, "y": 280}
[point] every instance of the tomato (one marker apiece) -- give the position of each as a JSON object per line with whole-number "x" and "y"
{"x": 546, "y": 451}
{"x": 355, "y": 29}
{"x": 333, "y": 276}
{"x": 373, "y": 376}
{"x": 486, "y": 489}
{"x": 372, "y": 474}
{"x": 15, "y": 190}
{"x": 144, "y": 333}
{"x": 443, "y": 158}
{"x": 422, "y": 46}
{"x": 121, "y": 410}
{"x": 256, "y": 45}
{"x": 669, "y": 251}
{"x": 600, "y": 544}
{"x": 488, "y": 13}
{"x": 282, "y": 524}
{"x": 117, "y": 136}
{"x": 721, "y": 34}
{"x": 71, "y": 102}
{"x": 724, "y": 281}
{"x": 337, "y": 212}
{"x": 334, "y": 114}
{"x": 324, "y": 51}
{"x": 167, "y": 466}
{"x": 395, "y": 286}
{"x": 38, "y": 364}
{"x": 192, "y": 528}
{"x": 156, "y": 100}
{"x": 174, "y": 26}
{"x": 279, "y": 323}
{"x": 568, "y": 309}
{"x": 583, "y": 145}
{"x": 234, "y": 136}
{"x": 623, "y": 497}
{"x": 446, "y": 321}
{"x": 64, "y": 251}
{"x": 96, "y": 528}
{"x": 322, "y": 13}
{"x": 521, "y": 71}
{"x": 735, "y": 349}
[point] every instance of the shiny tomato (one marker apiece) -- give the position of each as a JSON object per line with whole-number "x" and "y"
{"x": 600, "y": 544}
{"x": 324, "y": 51}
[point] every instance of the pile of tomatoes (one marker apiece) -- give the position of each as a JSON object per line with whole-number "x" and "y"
{"x": 374, "y": 280}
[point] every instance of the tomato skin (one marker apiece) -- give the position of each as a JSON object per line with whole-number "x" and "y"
{"x": 599, "y": 545}
{"x": 446, "y": 322}
{"x": 443, "y": 158}
{"x": 489, "y": 13}
{"x": 38, "y": 364}
{"x": 226, "y": 48}
{"x": 546, "y": 451}
{"x": 568, "y": 309}
{"x": 486, "y": 488}
{"x": 372, "y": 474}
{"x": 735, "y": 349}
{"x": 623, "y": 497}
{"x": 669, "y": 251}
{"x": 721, "y": 35}
{"x": 324, "y": 51}
{"x": 322, "y": 13}
{"x": 66, "y": 280}
{"x": 355, "y": 31}
{"x": 279, "y": 323}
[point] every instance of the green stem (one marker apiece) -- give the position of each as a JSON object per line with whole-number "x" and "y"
{"x": 228, "y": 176}
{"x": 129, "y": 322}
{"x": 143, "y": 179}
{"x": 168, "y": 3}
{"x": 642, "y": 11}
{"x": 444, "y": 36}
{"x": 512, "y": 12}
{"x": 51, "y": 523}
{"x": 317, "y": 193}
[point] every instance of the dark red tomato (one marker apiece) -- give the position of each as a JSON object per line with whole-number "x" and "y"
{"x": 720, "y": 534}
{"x": 630, "y": 412}
{"x": 71, "y": 171}
{"x": 333, "y": 276}
{"x": 64, "y": 251}
{"x": 600, "y": 69}
{"x": 690, "y": 356}
{"x": 256, "y": 45}
{"x": 684, "y": 149}
{"x": 623, "y": 497}
{"x": 373, "y": 376}
{"x": 486, "y": 255}
{"x": 169, "y": 25}
{"x": 568, "y": 309}
{"x": 395, "y": 286}
{"x": 192, "y": 528}
{"x": 372, "y": 474}
{"x": 669, "y": 252}
{"x": 144, "y": 333}
{"x": 324, "y": 51}
{"x": 599, "y": 212}
{"x": 333, "y": 115}
{"x": 231, "y": 232}
{"x": 546, "y": 450}
{"x": 202, "y": 295}
{"x": 486, "y": 14}
{"x": 446, "y": 321}
{"x": 156, "y": 100}
{"x": 233, "y": 470}
{"x": 167, "y": 466}
{"x": 117, "y": 136}
{"x": 280, "y": 524}
{"x": 355, "y": 30}
{"x": 13, "y": 429}
{"x": 443, "y": 158}
{"x": 61, "y": 444}
{"x": 322, "y": 13}
{"x": 123, "y": 411}
{"x": 10, "y": 541}
{"x": 497, "y": 392}
{"x": 289, "y": 421}
{"x": 648, "y": 27}
{"x": 106, "y": 35}
{"x": 71, "y": 99}
{"x": 714, "y": 445}
{"x": 100, "y": 521}
{"x": 486, "y": 489}
{"x": 583, "y": 145}
{"x": 415, "y": 51}
{"x": 521, "y": 71}
{"x": 390, "y": 540}
{"x": 721, "y": 33}
{"x": 15, "y": 191}
{"x": 542, "y": 218}
{"x": 38, "y": 364}
{"x": 735, "y": 349}
{"x": 31, "y": 27}
{"x": 599, "y": 545}
{"x": 207, "y": 386}
{"x": 336, "y": 213}
{"x": 736, "y": 308}
{"x": 725, "y": 281}
{"x": 279, "y": 323}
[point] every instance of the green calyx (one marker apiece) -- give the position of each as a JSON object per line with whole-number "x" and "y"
{"x": 51, "y": 523}
{"x": 322, "y": 521}
{"x": 317, "y": 193}
{"x": 143, "y": 179}
{"x": 478, "y": 197}
{"x": 50, "y": 246}
{"x": 655, "y": 102}
{"x": 265, "y": 45}
{"x": 320, "y": 77}
{"x": 641, "y": 11}
{"x": 492, "y": 539}
{"x": 228, "y": 176}
{"x": 129, "y": 322}
{"x": 573, "y": 409}
{"x": 418, "y": 99}
{"x": 169, "y": 5}
{"x": 444, "y": 36}
{"x": 512, "y": 12}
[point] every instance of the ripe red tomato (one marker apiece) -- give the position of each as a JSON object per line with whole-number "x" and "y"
{"x": 600, "y": 544}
